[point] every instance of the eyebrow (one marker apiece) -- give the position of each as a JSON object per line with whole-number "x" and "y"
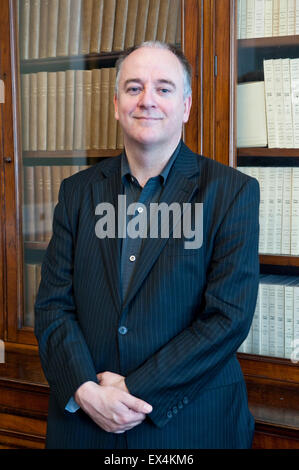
{"x": 160, "y": 81}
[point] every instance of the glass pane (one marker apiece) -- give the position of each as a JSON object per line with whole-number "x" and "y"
{"x": 268, "y": 150}
{"x": 68, "y": 50}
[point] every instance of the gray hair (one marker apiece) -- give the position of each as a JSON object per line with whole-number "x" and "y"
{"x": 187, "y": 70}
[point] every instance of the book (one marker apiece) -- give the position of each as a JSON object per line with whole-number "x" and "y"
{"x": 52, "y": 111}
{"x": 43, "y": 30}
{"x": 63, "y": 26}
{"x": 295, "y": 212}
{"x": 78, "y": 122}
{"x": 251, "y": 115}
{"x": 294, "y": 68}
{"x": 42, "y": 84}
{"x": 287, "y": 104}
{"x": 173, "y": 14}
{"x": 152, "y": 20}
{"x": 268, "y": 18}
{"x": 270, "y": 103}
{"x": 52, "y": 27}
{"x": 120, "y": 25}
{"x": 143, "y": 6}
{"x": 286, "y": 212}
{"x": 61, "y": 112}
{"x": 108, "y": 25}
{"x": 34, "y": 29}
{"x": 259, "y": 18}
{"x": 95, "y": 109}
{"x": 283, "y": 17}
{"x": 104, "y": 109}
{"x": 96, "y": 25}
{"x": 131, "y": 23}
{"x": 85, "y": 29}
{"x": 69, "y": 108}
{"x": 24, "y": 28}
{"x": 75, "y": 21}
{"x": 162, "y": 20}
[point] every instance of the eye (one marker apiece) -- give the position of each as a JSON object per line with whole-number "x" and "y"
{"x": 164, "y": 91}
{"x": 133, "y": 90}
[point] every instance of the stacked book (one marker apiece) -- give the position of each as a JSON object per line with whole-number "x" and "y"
{"x": 275, "y": 327}
{"x": 282, "y": 102}
{"x": 69, "y": 110}
{"x": 32, "y": 280}
{"x": 267, "y": 18}
{"x": 41, "y": 187}
{"x": 52, "y": 28}
{"x": 279, "y": 208}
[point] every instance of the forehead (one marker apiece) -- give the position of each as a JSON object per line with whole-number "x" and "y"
{"x": 153, "y": 62}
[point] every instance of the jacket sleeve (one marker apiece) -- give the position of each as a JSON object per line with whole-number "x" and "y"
{"x": 181, "y": 368}
{"x": 65, "y": 357}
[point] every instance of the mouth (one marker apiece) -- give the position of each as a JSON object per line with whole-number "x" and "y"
{"x": 147, "y": 118}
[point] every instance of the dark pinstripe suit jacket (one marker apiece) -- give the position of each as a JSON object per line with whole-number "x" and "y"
{"x": 186, "y": 313}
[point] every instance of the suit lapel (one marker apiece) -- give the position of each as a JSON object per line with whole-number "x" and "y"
{"x": 107, "y": 190}
{"x": 179, "y": 189}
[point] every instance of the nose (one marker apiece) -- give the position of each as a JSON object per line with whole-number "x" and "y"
{"x": 147, "y": 99}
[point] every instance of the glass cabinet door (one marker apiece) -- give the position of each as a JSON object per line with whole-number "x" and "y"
{"x": 268, "y": 149}
{"x": 65, "y": 60}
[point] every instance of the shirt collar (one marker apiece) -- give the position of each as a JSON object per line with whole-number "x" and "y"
{"x": 126, "y": 172}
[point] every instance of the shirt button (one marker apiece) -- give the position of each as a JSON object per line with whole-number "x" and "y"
{"x": 169, "y": 414}
{"x": 185, "y": 401}
{"x": 132, "y": 258}
{"x": 140, "y": 209}
{"x": 123, "y": 330}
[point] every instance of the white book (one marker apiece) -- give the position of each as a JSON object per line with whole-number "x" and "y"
{"x": 291, "y": 17}
{"x": 296, "y": 315}
{"x": 297, "y": 17}
{"x": 264, "y": 318}
{"x": 259, "y": 18}
{"x": 287, "y": 104}
{"x": 239, "y": 19}
{"x": 276, "y": 17}
{"x": 294, "y": 67}
{"x": 256, "y": 325}
{"x": 268, "y": 18}
{"x": 272, "y": 319}
{"x": 283, "y": 18}
{"x": 243, "y": 19}
{"x": 270, "y": 103}
{"x": 278, "y": 99}
{"x": 278, "y": 211}
{"x": 271, "y": 208}
{"x": 279, "y": 319}
{"x": 263, "y": 219}
{"x": 289, "y": 318}
{"x": 286, "y": 211}
{"x": 250, "y": 16}
{"x": 254, "y": 172}
{"x": 295, "y": 212}
{"x": 251, "y": 115}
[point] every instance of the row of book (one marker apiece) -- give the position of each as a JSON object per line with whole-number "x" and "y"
{"x": 267, "y": 18}
{"x": 275, "y": 327}
{"x": 52, "y": 28}
{"x": 41, "y": 188}
{"x": 69, "y": 110}
{"x": 279, "y": 208}
{"x": 268, "y": 111}
{"x": 32, "y": 274}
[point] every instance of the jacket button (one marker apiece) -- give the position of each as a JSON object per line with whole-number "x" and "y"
{"x": 174, "y": 410}
{"x": 180, "y": 405}
{"x": 169, "y": 414}
{"x": 185, "y": 400}
{"x": 122, "y": 330}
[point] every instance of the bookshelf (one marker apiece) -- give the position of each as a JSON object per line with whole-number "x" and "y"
{"x": 272, "y": 379}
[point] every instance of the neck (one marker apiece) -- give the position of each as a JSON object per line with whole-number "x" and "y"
{"x": 148, "y": 161}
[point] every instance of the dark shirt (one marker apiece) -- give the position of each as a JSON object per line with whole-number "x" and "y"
{"x": 150, "y": 193}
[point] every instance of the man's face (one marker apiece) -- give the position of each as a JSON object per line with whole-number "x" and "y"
{"x": 150, "y": 104}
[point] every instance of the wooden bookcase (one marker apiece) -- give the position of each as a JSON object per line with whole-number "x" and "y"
{"x": 208, "y": 37}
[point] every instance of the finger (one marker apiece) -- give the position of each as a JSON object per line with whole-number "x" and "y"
{"x": 136, "y": 404}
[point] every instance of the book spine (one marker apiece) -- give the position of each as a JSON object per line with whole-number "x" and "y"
{"x": 42, "y": 79}
{"x": 272, "y": 322}
{"x": 104, "y": 108}
{"x": 108, "y": 25}
{"x": 25, "y": 109}
{"x": 78, "y": 122}
{"x": 131, "y": 23}
{"x": 24, "y": 29}
{"x": 279, "y": 321}
{"x": 33, "y": 112}
{"x": 112, "y": 123}
{"x": 120, "y": 25}
{"x": 270, "y": 103}
{"x": 43, "y": 31}
{"x": 87, "y": 75}
{"x": 276, "y": 17}
{"x": 283, "y": 17}
{"x": 39, "y": 209}
{"x": 256, "y": 325}
{"x": 264, "y": 319}
{"x": 30, "y": 283}
{"x": 52, "y": 111}
{"x": 69, "y": 108}
{"x": 291, "y": 17}
{"x": 287, "y": 104}
{"x": 52, "y": 27}
{"x": 263, "y": 218}
{"x": 173, "y": 14}
{"x": 85, "y": 30}
{"x": 271, "y": 208}
{"x": 259, "y": 18}
{"x": 96, "y": 26}
{"x": 295, "y": 212}
{"x": 34, "y": 29}
{"x": 268, "y": 18}
{"x": 56, "y": 177}
{"x": 297, "y": 17}
{"x": 29, "y": 209}
{"x": 289, "y": 320}
{"x": 278, "y": 211}
{"x": 61, "y": 114}
{"x": 296, "y": 317}
{"x": 162, "y": 21}
{"x": 47, "y": 202}
{"x": 95, "y": 109}
{"x": 278, "y": 100}
{"x": 152, "y": 20}
{"x": 250, "y": 16}
{"x": 143, "y": 6}
{"x": 294, "y": 67}
{"x": 63, "y": 27}
{"x": 75, "y": 20}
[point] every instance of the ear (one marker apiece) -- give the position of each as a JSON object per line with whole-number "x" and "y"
{"x": 187, "y": 108}
{"x": 116, "y": 115}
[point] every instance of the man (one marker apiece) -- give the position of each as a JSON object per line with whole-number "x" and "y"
{"x": 140, "y": 333}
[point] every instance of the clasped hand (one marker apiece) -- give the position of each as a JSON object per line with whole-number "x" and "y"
{"x": 110, "y": 404}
